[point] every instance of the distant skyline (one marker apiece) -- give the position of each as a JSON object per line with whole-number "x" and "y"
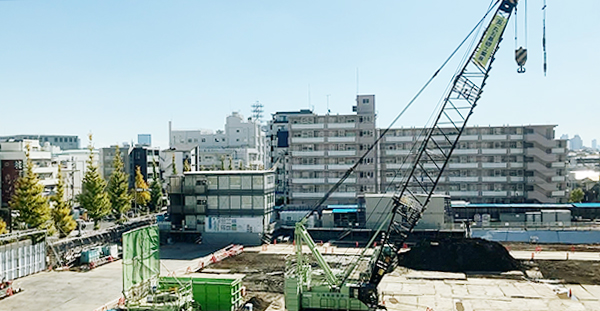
{"x": 122, "y": 68}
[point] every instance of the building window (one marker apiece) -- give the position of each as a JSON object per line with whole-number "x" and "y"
{"x": 203, "y": 140}
{"x": 365, "y": 100}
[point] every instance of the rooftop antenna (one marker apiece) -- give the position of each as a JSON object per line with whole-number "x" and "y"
{"x": 257, "y": 111}
{"x": 309, "y": 105}
{"x": 328, "y": 111}
{"x": 357, "y": 81}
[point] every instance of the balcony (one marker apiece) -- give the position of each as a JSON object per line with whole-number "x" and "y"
{"x": 347, "y": 181}
{"x": 308, "y": 139}
{"x": 558, "y": 164}
{"x": 515, "y": 165}
{"x": 308, "y": 166}
{"x": 307, "y": 126}
{"x": 494, "y": 165}
{"x": 558, "y": 178}
{"x": 494, "y": 151}
{"x": 308, "y": 153}
{"x": 469, "y": 137}
{"x": 515, "y": 151}
{"x": 308, "y": 180}
{"x": 515, "y": 137}
{"x": 463, "y": 193}
{"x": 397, "y": 152}
{"x": 516, "y": 179}
{"x": 341, "y": 152}
{"x": 395, "y": 179}
{"x": 559, "y": 150}
{"x": 493, "y": 137}
{"x": 318, "y": 195}
{"x": 493, "y": 179}
{"x": 463, "y": 165}
{"x": 464, "y": 151}
{"x": 494, "y": 193}
{"x": 397, "y": 166}
{"x": 348, "y": 125}
{"x": 399, "y": 138}
{"x": 463, "y": 179}
{"x": 560, "y": 193}
{"x": 343, "y": 167}
{"x": 342, "y": 139}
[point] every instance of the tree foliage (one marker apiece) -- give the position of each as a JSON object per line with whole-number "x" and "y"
{"x": 28, "y": 198}
{"x": 576, "y": 195}
{"x": 62, "y": 215}
{"x": 186, "y": 165}
{"x": 156, "y": 194}
{"x": 174, "y": 166}
{"x": 118, "y": 188}
{"x": 3, "y": 227}
{"x": 93, "y": 195}
{"x": 141, "y": 194}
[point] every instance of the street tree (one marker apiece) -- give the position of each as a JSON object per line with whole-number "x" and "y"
{"x": 62, "y": 215}
{"x": 141, "y": 195}
{"x": 28, "y": 198}
{"x": 156, "y": 193}
{"x": 93, "y": 196}
{"x": 576, "y": 195}
{"x": 186, "y": 165}
{"x": 3, "y": 227}
{"x": 118, "y": 188}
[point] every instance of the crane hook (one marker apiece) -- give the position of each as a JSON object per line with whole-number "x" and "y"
{"x": 521, "y": 58}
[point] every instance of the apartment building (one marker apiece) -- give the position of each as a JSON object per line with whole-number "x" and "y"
{"x": 64, "y": 142}
{"x": 496, "y": 164}
{"x": 242, "y": 141}
{"x": 321, "y": 148}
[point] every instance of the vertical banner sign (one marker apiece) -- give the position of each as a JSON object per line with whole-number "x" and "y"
{"x": 490, "y": 41}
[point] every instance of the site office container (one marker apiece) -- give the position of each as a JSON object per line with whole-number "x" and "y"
{"x": 213, "y": 292}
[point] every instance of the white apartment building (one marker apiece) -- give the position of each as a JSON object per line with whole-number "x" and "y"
{"x": 496, "y": 164}
{"x": 321, "y": 148}
{"x": 242, "y": 140}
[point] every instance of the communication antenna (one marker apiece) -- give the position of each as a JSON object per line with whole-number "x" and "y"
{"x": 257, "y": 111}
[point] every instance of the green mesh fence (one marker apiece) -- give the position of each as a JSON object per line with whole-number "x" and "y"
{"x": 141, "y": 261}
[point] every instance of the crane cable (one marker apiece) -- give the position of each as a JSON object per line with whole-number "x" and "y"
{"x": 520, "y": 52}
{"x": 544, "y": 37}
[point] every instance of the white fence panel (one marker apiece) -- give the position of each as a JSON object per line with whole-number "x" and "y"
{"x": 22, "y": 258}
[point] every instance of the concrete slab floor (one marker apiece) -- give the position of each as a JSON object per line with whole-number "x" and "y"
{"x": 446, "y": 292}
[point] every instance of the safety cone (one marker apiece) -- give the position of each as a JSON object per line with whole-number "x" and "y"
{"x": 570, "y": 293}
{"x": 532, "y": 256}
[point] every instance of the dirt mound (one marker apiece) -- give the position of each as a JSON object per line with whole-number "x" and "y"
{"x": 570, "y": 271}
{"x": 459, "y": 255}
{"x": 264, "y": 272}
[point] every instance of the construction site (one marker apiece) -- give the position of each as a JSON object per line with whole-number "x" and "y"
{"x": 137, "y": 267}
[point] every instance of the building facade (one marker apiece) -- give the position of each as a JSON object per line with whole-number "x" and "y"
{"x": 64, "y": 142}
{"x": 13, "y": 161}
{"x": 74, "y": 166}
{"x": 321, "y": 148}
{"x": 223, "y": 205}
{"x": 242, "y": 141}
{"x": 502, "y": 164}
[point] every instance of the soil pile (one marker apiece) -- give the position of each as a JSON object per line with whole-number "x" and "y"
{"x": 459, "y": 255}
{"x": 264, "y": 272}
{"x": 571, "y": 271}
{"x": 258, "y": 304}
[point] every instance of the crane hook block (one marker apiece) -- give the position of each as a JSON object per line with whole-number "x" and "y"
{"x": 521, "y": 58}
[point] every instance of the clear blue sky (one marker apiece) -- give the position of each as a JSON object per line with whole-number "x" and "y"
{"x": 118, "y": 68}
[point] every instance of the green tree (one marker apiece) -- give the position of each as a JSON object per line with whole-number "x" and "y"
{"x": 174, "y": 166}
{"x": 118, "y": 188}
{"x": 28, "y": 198}
{"x": 3, "y": 227}
{"x": 576, "y": 195}
{"x": 186, "y": 165}
{"x": 222, "y": 163}
{"x": 141, "y": 194}
{"x": 230, "y": 164}
{"x": 62, "y": 216}
{"x": 93, "y": 196}
{"x": 156, "y": 193}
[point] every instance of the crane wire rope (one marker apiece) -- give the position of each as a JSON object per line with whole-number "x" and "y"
{"x": 476, "y": 30}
